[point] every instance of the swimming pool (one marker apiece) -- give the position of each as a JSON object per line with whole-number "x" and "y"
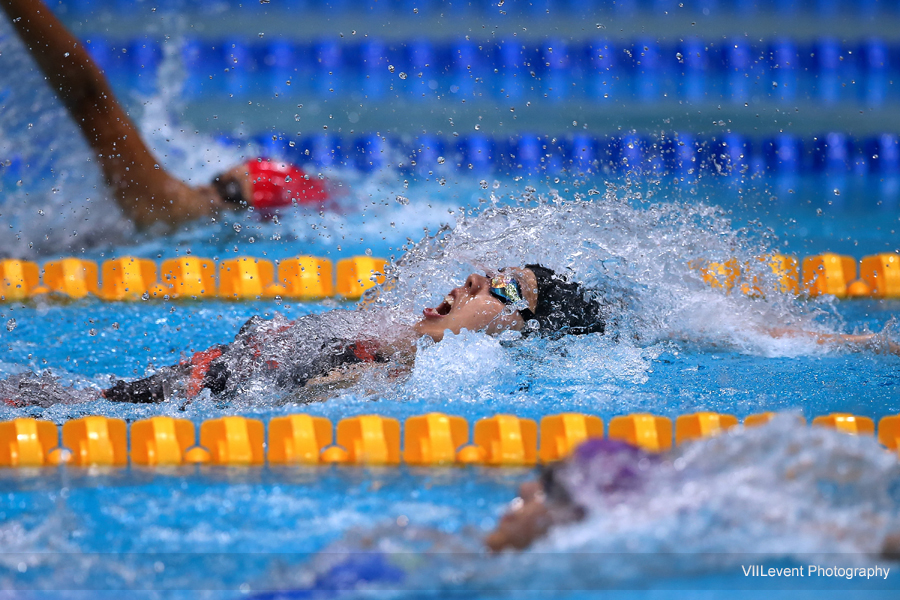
{"x": 272, "y": 527}
{"x": 779, "y": 496}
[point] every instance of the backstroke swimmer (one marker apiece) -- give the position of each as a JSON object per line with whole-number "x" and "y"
{"x": 147, "y": 194}
{"x": 309, "y": 357}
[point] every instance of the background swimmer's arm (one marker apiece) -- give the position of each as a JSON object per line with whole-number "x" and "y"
{"x": 869, "y": 341}
{"x": 145, "y": 192}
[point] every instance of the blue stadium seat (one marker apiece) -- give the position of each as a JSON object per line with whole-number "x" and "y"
{"x": 240, "y": 66}
{"x": 827, "y": 54}
{"x": 280, "y": 61}
{"x": 732, "y": 155}
{"x": 684, "y": 156}
{"x": 421, "y": 79}
{"x": 745, "y": 8}
{"x": 373, "y": 68}
{"x": 426, "y": 151}
{"x": 477, "y": 151}
{"x": 465, "y": 66}
{"x": 785, "y": 8}
{"x": 583, "y": 153}
{"x": 529, "y": 154}
{"x": 832, "y": 153}
{"x": 325, "y": 150}
{"x": 705, "y": 7}
{"x": 329, "y": 65}
{"x": 738, "y": 61}
{"x": 101, "y": 52}
{"x": 784, "y": 154}
{"x": 372, "y": 153}
{"x": 556, "y": 67}
{"x": 884, "y": 153}
{"x": 509, "y": 60}
{"x": 540, "y": 8}
{"x": 202, "y": 68}
{"x": 875, "y": 66}
{"x": 630, "y": 154}
{"x": 145, "y": 57}
{"x": 783, "y": 62}
{"x": 646, "y": 70}
{"x": 827, "y": 8}
{"x": 624, "y": 8}
{"x": 272, "y": 145}
{"x": 663, "y": 7}
{"x": 694, "y": 67}
{"x": 603, "y": 79}
{"x": 423, "y": 7}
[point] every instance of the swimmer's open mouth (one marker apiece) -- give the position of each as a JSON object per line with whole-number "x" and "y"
{"x": 442, "y": 309}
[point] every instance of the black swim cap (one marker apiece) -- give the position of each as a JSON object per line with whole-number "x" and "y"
{"x": 563, "y": 306}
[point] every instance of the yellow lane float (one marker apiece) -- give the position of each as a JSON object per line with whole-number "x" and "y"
{"x": 433, "y": 439}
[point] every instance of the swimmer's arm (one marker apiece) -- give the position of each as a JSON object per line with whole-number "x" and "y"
{"x": 325, "y": 387}
{"x": 865, "y": 341}
{"x": 145, "y": 192}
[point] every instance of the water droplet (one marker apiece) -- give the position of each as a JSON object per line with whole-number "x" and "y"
{"x": 92, "y": 332}
{"x": 441, "y": 160}
{"x": 237, "y": 227}
{"x": 368, "y": 252}
{"x": 145, "y": 296}
{"x": 11, "y": 324}
{"x": 402, "y": 200}
{"x": 477, "y": 127}
{"x": 402, "y": 75}
{"x": 391, "y": 68}
{"x": 252, "y": 239}
{"x": 115, "y": 326}
{"x": 484, "y": 184}
{"x": 837, "y": 192}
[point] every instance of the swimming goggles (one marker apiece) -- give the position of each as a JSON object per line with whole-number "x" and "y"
{"x": 506, "y": 289}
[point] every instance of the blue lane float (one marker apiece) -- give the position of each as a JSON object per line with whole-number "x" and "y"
{"x": 684, "y": 154}
{"x": 693, "y": 70}
{"x": 568, "y": 8}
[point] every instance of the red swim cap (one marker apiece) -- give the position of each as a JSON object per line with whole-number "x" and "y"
{"x": 277, "y": 184}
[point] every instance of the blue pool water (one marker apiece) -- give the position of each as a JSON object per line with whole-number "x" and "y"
{"x": 779, "y": 496}
{"x": 221, "y": 530}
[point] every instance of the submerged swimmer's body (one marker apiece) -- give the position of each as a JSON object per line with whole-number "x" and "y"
{"x": 602, "y": 474}
{"x": 146, "y": 193}
{"x": 305, "y": 356}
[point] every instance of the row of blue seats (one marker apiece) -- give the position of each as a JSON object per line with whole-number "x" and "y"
{"x": 825, "y": 8}
{"x": 684, "y": 154}
{"x": 693, "y": 69}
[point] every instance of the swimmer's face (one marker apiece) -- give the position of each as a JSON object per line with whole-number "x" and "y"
{"x": 472, "y": 306}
